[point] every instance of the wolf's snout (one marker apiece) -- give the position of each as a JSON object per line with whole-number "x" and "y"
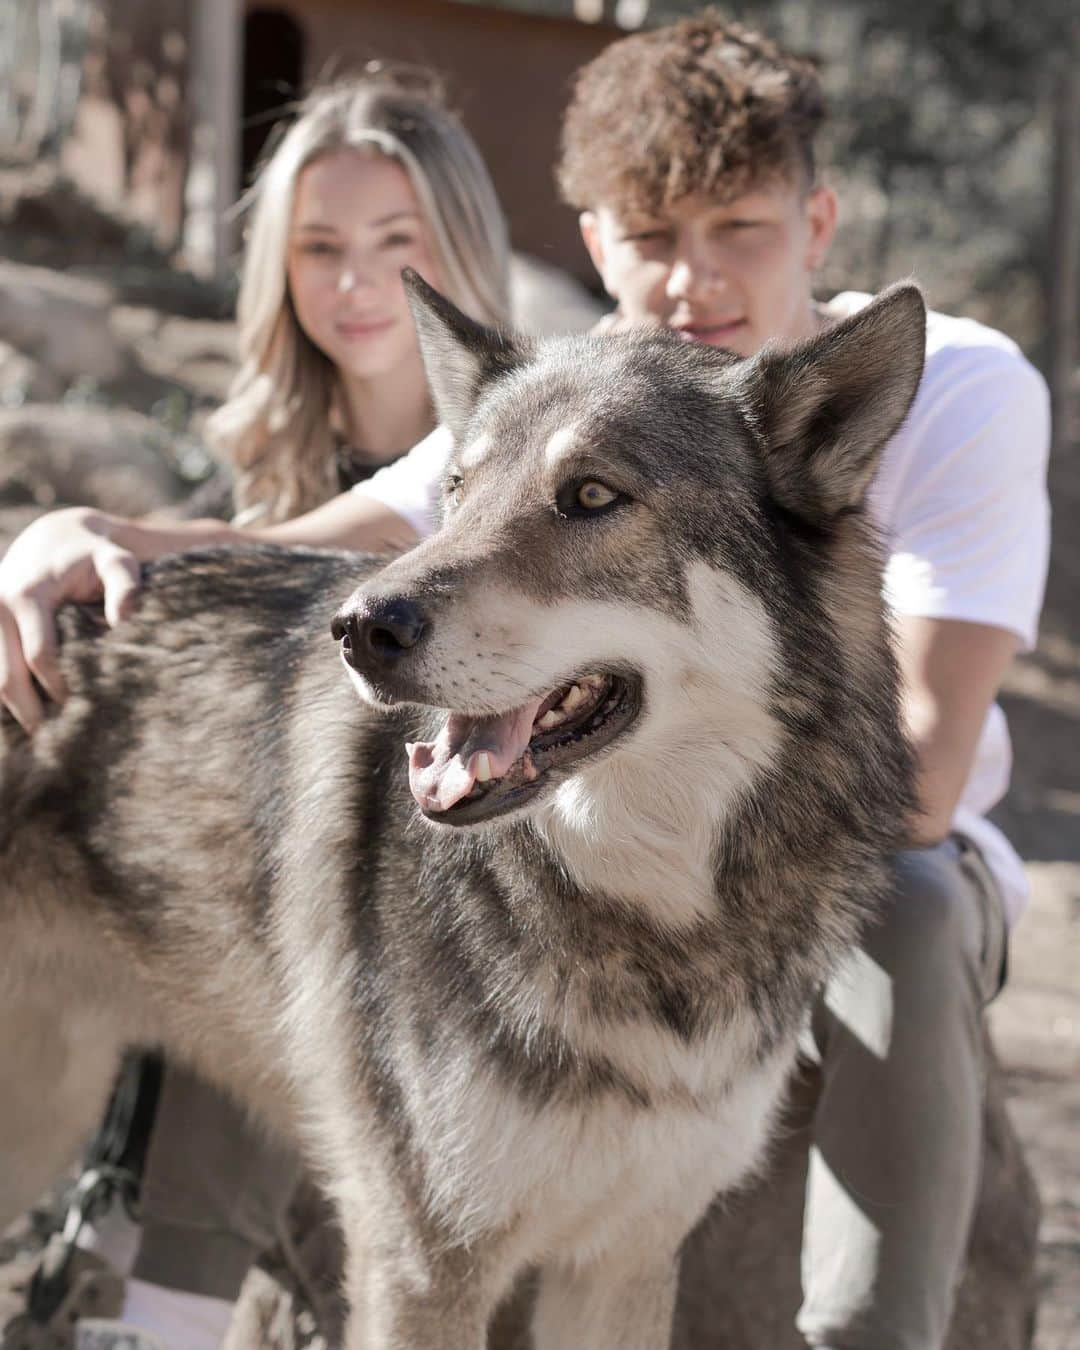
{"x": 376, "y": 634}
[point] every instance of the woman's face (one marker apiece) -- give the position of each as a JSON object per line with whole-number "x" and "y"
{"x": 356, "y": 222}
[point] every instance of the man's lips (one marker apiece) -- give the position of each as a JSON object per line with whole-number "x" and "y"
{"x": 711, "y": 331}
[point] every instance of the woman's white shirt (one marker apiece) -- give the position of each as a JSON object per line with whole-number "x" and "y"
{"x": 410, "y": 486}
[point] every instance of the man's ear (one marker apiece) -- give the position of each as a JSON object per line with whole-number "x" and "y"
{"x": 827, "y": 407}
{"x": 590, "y": 234}
{"x": 822, "y": 211}
{"x": 460, "y": 355}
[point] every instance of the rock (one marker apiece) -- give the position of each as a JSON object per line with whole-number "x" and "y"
{"x": 54, "y": 455}
{"x": 739, "y": 1287}
{"x": 62, "y": 322}
{"x": 196, "y": 354}
{"x": 13, "y": 520}
{"x": 43, "y": 214}
{"x": 23, "y": 379}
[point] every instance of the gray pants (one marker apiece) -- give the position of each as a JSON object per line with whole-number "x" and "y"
{"x": 893, "y": 1172}
{"x": 894, "y": 1167}
{"x": 215, "y": 1191}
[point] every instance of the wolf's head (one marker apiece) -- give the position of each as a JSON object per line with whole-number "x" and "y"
{"x": 647, "y": 548}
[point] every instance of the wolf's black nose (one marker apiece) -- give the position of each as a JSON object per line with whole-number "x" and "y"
{"x": 374, "y": 636}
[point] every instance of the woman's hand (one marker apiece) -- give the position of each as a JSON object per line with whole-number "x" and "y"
{"x": 85, "y": 555}
{"x": 66, "y": 555}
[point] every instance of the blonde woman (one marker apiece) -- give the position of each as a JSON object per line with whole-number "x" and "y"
{"x": 374, "y": 175}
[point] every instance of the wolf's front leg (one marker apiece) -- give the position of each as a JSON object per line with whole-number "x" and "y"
{"x": 625, "y": 1301}
{"x": 406, "y": 1292}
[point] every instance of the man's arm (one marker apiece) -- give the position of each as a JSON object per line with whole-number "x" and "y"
{"x": 950, "y": 675}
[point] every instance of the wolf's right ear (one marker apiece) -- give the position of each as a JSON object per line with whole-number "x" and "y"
{"x": 460, "y": 355}
{"x": 827, "y": 407}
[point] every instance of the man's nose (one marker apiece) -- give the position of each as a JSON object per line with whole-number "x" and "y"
{"x": 693, "y": 275}
{"x": 377, "y": 634}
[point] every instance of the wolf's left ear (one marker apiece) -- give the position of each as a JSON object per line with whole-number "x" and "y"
{"x": 460, "y": 355}
{"x": 827, "y": 407}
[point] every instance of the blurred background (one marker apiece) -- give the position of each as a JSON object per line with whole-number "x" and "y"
{"x": 129, "y": 129}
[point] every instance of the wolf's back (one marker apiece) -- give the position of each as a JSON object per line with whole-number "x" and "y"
{"x": 176, "y": 726}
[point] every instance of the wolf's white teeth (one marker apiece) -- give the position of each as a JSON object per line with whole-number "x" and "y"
{"x": 528, "y": 767}
{"x": 574, "y": 695}
{"x": 483, "y": 767}
{"x": 550, "y": 719}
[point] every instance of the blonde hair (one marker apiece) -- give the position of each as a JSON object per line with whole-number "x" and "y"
{"x": 276, "y": 428}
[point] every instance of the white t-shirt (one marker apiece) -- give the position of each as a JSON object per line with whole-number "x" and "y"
{"x": 961, "y": 496}
{"x": 410, "y": 486}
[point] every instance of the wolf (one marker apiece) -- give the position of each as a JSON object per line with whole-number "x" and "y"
{"x": 508, "y": 903}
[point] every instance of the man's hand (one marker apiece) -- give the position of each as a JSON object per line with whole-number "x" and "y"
{"x": 950, "y": 675}
{"x": 66, "y": 555}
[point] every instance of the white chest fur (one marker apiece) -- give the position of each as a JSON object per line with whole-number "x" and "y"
{"x": 579, "y": 1176}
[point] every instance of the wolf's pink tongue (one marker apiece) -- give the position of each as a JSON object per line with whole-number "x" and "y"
{"x": 443, "y": 771}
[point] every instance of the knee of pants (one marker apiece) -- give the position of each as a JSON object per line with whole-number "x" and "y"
{"x": 929, "y": 934}
{"x": 917, "y": 969}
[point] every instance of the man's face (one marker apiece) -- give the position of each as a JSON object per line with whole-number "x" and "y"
{"x": 733, "y": 274}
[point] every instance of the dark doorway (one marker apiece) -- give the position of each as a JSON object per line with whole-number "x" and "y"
{"x": 273, "y": 71}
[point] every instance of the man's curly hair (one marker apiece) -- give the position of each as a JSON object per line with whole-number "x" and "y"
{"x": 699, "y": 106}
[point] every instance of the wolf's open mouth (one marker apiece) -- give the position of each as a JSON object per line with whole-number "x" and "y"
{"x": 478, "y": 767}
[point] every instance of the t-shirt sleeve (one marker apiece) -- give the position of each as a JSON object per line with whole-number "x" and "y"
{"x": 410, "y": 486}
{"x": 970, "y": 536}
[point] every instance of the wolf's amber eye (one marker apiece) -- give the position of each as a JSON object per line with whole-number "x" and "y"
{"x": 587, "y": 498}
{"x": 595, "y": 496}
{"x": 453, "y": 485}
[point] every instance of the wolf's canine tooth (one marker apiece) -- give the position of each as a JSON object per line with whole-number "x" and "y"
{"x": 574, "y": 696}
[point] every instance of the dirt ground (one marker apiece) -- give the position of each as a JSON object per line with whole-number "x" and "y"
{"x": 1036, "y": 1022}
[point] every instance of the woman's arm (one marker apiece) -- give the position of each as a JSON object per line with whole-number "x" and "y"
{"x": 86, "y": 555}
{"x": 353, "y": 520}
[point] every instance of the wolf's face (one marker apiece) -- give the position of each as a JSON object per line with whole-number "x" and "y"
{"x": 628, "y": 524}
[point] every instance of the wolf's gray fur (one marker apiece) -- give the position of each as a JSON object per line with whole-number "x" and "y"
{"x": 545, "y": 1025}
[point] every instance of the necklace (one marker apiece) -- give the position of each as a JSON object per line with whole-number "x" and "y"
{"x": 353, "y": 464}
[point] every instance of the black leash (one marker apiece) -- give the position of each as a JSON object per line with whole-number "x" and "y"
{"x": 112, "y": 1170}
